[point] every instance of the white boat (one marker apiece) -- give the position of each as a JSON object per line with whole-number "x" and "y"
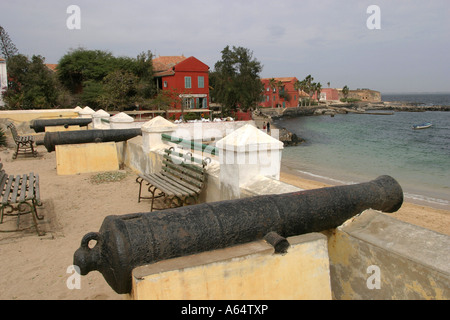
{"x": 422, "y": 125}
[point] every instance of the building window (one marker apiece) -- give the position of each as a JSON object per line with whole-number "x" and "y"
{"x": 187, "y": 82}
{"x": 201, "y": 82}
{"x": 165, "y": 84}
{"x": 188, "y": 103}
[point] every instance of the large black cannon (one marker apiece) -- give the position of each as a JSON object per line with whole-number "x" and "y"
{"x": 52, "y": 139}
{"x": 127, "y": 241}
{"x": 39, "y": 124}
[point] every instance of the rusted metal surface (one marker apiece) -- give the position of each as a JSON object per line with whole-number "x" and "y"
{"x": 52, "y": 139}
{"x": 127, "y": 241}
{"x": 39, "y": 124}
{"x": 279, "y": 243}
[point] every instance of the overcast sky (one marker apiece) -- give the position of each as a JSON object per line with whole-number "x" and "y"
{"x": 328, "y": 39}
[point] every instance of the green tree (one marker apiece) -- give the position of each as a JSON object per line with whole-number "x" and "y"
{"x": 308, "y": 85}
{"x": 273, "y": 87}
{"x": 143, "y": 69}
{"x": 236, "y": 79}
{"x": 119, "y": 90}
{"x": 345, "y": 91}
{"x": 80, "y": 66}
{"x": 311, "y": 88}
{"x": 7, "y": 47}
{"x": 31, "y": 84}
{"x": 318, "y": 90}
{"x": 165, "y": 99}
{"x": 86, "y": 74}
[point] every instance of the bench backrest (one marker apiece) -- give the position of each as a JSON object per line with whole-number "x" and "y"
{"x": 3, "y": 177}
{"x": 13, "y": 129}
{"x": 185, "y": 167}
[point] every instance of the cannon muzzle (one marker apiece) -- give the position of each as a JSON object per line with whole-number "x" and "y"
{"x": 39, "y": 124}
{"x": 127, "y": 241}
{"x": 52, "y": 139}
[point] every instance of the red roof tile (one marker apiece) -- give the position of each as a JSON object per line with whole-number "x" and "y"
{"x": 282, "y": 79}
{"x": 51, "y": 66}
{"x": 164, "y": 63}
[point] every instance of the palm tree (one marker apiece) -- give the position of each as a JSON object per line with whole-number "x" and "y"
{"x": 303, "y": 88}
{"x": 279, "y": 86}
{"x": 345, "y": 91}
{"x": 297, "y": 86}
{"x": 318, "y": 89}
{"x": 308, "y": 86}
{"x": 272, "y": 85}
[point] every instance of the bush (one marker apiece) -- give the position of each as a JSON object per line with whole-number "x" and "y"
{"x": 192, "y": 116}
{"x": 350, "y": 100}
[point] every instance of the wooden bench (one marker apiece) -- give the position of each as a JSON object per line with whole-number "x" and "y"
{"x": 24, "y": 144}
{"x": 181, "y": 180}
{"x": 19, "y": 193}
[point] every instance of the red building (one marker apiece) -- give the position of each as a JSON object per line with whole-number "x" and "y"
{"x": 280, "y": 93}
{"x": 186, "y": 78}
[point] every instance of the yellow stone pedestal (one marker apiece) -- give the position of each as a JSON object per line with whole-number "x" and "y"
{"x": 87, "y": 157}
{"x": 249, "y": 271}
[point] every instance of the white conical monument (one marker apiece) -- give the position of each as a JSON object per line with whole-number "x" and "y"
{"x": 244, "y": 154}
{"x": 152, "y": 130}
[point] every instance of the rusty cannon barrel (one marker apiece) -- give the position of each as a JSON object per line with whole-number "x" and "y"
{"x": 39, "y": 124}
{"x": 127, "y": 241}
{"x": 52, "y": 139}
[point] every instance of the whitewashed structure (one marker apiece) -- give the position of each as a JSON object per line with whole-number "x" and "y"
{"x": 3, "y": 80}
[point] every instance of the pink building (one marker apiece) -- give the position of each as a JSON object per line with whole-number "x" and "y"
{"x": 329, "y": 94}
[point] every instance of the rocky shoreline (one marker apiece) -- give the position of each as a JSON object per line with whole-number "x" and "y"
{"x": 359, "y": 107}
{"x": 290, "y": 139}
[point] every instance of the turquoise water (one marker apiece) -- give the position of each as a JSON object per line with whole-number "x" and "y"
{"x": 354, "y": 148}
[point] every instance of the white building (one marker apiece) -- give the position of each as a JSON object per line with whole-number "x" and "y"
{"x": 3, "y": 79}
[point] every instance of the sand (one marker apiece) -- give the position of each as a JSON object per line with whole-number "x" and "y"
{"x": 35, "y": 267}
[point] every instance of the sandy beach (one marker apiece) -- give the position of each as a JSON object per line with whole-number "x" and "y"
{"x": 36, "y": 267}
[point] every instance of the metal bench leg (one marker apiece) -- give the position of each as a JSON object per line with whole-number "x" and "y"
{"x": 153, "y": 197}
{"x": 32, "y": 149}
{"x": 17, "y": 151}
{"x": 139, "y": 180}
{"x": 35, "y": 220}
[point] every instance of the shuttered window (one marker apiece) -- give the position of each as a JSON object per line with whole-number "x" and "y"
{"x": 187, "y": 82}
{"x": 201, "y": 82}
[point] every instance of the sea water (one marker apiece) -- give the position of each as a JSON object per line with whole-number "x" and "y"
{"x": 353, "y": 148}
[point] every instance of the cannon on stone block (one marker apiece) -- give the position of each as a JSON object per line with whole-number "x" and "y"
{"x": 39, "y": 124}
{"x": 52, "y": 139}
{"x": 128, "y": 241}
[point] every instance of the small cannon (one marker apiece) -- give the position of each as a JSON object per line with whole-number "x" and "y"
{"x": 52, "y": 139}
{"x": 128, "y": 241}
{"x": 39, "y": 124}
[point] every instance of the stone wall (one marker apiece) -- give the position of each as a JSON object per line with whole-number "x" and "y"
{"x": 363, "y": 95}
